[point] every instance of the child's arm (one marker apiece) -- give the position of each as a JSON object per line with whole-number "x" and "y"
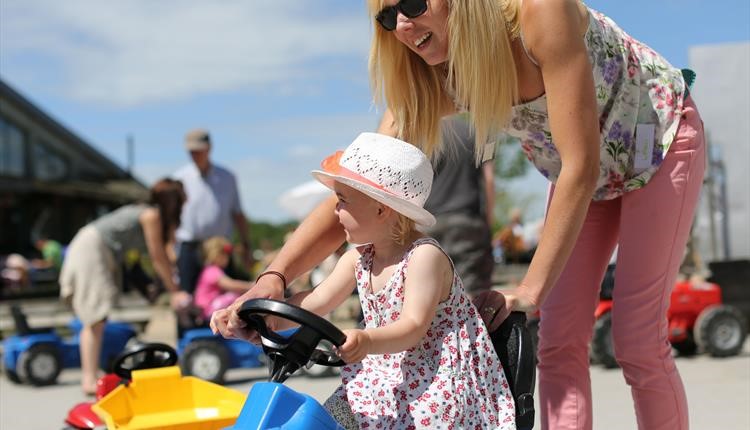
{"x": 229, "y": 284}
{"x": 329, "y": 294}
{"x": 428, "y": 282}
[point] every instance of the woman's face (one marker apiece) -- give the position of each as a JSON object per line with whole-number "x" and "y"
{"x": 427, "y": 34}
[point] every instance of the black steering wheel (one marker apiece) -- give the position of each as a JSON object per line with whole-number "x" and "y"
{"x": 143, "y": 356}
{"x": 287, "y": 354}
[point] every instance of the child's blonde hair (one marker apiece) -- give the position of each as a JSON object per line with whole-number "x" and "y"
{"x": 480, "y": 75}
{"x": 213, "y": 247}
{"x": 403, "y": 229}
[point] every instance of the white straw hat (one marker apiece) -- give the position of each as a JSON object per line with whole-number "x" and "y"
{"x": 387, "y": 169}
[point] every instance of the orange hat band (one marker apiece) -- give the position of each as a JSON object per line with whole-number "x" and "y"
{"x": 332, "y": 165}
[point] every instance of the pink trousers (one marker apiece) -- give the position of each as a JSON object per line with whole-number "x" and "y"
{"x": 651, "y": 226}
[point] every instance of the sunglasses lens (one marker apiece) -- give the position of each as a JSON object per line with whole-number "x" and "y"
{"x": 413, "y": 8}
{"x": 387, "y": 18}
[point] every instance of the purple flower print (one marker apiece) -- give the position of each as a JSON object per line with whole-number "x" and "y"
{"x": 615, "y": 131}
{"x": 627, "y": 139}
{"x": 610, "y": 70}
{"x": 538, "y": 136}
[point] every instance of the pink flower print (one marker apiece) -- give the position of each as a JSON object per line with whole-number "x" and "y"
{"x": 433, "y": 407}
{"x": 413, "y": 385}
{"x": 615, "y": 181}
{"x": 425, "y": 422}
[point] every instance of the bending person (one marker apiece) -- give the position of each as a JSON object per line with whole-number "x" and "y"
{"x": 91, "y": 272}
{"x": 607, "y": 120}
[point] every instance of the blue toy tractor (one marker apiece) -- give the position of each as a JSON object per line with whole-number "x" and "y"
{"x": 36, "y": 356}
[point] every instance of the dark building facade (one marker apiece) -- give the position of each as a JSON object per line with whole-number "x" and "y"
{"x": 51, "y": 181}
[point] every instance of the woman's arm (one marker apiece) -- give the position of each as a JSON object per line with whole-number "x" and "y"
{"x": 319, "y": 235}
{"x": 428, "y": 282}
{"x": 488, "y": 176}
{"x": 329, "y": 294}
{"x": 553, "y": 32}
{"x": 150, "y": 221}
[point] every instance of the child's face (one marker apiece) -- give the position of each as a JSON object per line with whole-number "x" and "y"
{"x": 222, "y": 259}
{"x": 356, "y": 212}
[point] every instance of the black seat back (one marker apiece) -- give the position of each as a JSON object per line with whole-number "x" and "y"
{"x": 513, "y": 344}
{"x": 22, "y": 324}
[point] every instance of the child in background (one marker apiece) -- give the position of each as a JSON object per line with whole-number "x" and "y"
{"x": 424, "y": 358}
{"x": 215, "y": 290}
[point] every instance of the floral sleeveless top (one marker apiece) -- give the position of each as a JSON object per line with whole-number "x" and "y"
{"x": 452, "y": 379}
{"x": 637, "y": 91}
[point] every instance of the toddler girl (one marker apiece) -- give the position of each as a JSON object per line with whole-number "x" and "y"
{"x": 215, "y": 290}
{"x": 424, "y": 358}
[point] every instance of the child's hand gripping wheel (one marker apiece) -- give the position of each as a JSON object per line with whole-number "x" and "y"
{"x": 287, "y": 354}
{"x": 143, "y": 356}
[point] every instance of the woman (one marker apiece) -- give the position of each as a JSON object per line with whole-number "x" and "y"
{"x": 607, "y": 120}
{"x": 90, "y": 276}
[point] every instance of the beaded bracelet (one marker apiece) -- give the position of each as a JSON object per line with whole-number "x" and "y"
{"x": 273, "y": 272}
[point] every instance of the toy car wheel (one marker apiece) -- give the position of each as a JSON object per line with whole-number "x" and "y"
{"x": 720, "y": 330}
{"x": 318, "y": 370}
{"x": 12, "y": 376}
{"x": 39, "y": 365}
{"x": 206, "y": 359}
{"x": 602, "y": 348}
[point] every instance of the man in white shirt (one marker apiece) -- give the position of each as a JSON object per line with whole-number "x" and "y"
{"x": 212, "y": 209}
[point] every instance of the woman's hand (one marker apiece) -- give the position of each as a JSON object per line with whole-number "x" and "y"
{"x": 179, "y": 299}
{"x": 495, "y": 306}
{"x": 356, "y": 347}
{"x": 228, "y": 323}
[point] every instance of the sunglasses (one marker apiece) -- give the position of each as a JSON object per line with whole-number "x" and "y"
{"x": 387, "y": 17}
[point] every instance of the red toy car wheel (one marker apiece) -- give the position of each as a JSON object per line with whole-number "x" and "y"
{"x": 720, "y": 330}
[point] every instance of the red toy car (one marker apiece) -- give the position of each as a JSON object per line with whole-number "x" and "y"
{"x": 697, "y": 320}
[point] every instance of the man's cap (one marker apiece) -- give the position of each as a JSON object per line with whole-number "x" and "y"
{"x": 198, "y": 140}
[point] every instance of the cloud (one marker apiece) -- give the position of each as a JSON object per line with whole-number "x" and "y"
{"x": 129, "y": 53}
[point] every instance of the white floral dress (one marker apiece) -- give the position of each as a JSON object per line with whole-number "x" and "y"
{"x": 452, "y": 379}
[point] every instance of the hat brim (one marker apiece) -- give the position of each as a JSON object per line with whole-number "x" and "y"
{"x": 416, "y": 213}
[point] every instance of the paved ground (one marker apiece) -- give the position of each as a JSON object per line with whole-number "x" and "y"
{"x": 718, "y": 391}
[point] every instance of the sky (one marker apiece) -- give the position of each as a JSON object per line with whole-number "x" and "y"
{"x": 280, "y": 84}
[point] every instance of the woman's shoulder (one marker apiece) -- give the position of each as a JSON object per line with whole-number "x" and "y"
{"x": 537, "y": 17}
{"x": 148, "y": 214}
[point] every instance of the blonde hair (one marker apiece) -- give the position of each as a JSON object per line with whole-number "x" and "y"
{"x": 213, "y": 247}
{"x": 480, "y": 77}
{"x": 402, "y": 229}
